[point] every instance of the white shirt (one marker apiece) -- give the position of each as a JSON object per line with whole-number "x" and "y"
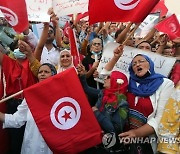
{"x": 33, "y": 142}
{"x": 52, "y": 56}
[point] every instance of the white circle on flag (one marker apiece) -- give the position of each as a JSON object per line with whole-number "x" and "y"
{"x": 172, "y": 27}
{"x": 126, "y": 4}
{"x": 9, "y": 15}
{"x": 68, "y": 115}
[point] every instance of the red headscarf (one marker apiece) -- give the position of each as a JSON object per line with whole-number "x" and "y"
{"x": 109, "y": 95}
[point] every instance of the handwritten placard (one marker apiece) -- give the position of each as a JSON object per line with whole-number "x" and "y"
{"x": 37, "y": 10}
{"x": 162, "y": 64}
{"x": 67, "y": 7}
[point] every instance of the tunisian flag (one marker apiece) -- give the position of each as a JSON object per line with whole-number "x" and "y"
{"x": 63, "y": 114}
{"x": 160, "y": 7}
{"x": 120, "y": 10}
{"x": 15, "y": 13}
{"x": 170, "y": 26}
{"x": 73, "y": 45}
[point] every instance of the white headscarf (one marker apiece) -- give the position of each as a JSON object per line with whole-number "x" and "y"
{"x": 60, "y": 67}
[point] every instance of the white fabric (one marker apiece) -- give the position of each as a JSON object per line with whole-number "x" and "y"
{"x": 33, "y": 142}
{"x": 159, "y": 100}
{"x": 51, "y": 56}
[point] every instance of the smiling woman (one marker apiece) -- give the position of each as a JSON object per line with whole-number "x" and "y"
{"x": 65, "y": 61}
{"x": 32, "y": 136}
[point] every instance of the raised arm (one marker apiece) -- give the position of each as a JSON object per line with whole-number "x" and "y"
{"x": 117, "y": 54}
{"x": 42, "y": 41}
{"x": 55, "y": 21}
{"x": 122, "y": 36}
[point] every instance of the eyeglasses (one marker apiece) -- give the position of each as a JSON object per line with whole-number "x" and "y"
{"x": 138, "y": 62}
{"x": 96, "y": 44}
{"x": 50, "y": 32}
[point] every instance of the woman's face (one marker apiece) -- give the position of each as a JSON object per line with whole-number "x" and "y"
{"x": 107, "y": 83}
{"x": 140, "y": 66}
{"x": 65, "y": 59}
{"x": 44, "y": 73}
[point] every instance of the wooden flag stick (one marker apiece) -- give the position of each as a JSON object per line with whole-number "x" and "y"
{"x": 132, "y": 32}
{"x": 9, "y": 97}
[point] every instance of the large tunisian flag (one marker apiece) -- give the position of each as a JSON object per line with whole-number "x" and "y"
{"x": 62, "y": 113}
{"x": 120, "y": 10}
{"x": 15, "y": 13}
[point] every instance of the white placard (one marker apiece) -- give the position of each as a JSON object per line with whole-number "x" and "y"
{"x": 145, "y": 27}
{"x": 37, "y": 10}
{"x": 162, "y": 64}
{"x": 63, "y": 20}
{"x": 67, "y": 7}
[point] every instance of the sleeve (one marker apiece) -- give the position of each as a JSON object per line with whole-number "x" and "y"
{"x": 35, "y": 67}
{"x": 17, "y": 119}
{"x": 91, "y": 92}
{"x": 162, "y": 95}
{"x": 32, "y": 39}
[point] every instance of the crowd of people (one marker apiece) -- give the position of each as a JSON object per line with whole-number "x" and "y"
{"x": 145, "y": 105}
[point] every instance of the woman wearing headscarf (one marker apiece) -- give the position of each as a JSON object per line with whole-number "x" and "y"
{"x": 33, "y": 141}
{"x": 147, "y": 95}
{"x": 65, "y": 60}
{"x": 111, "y": 108}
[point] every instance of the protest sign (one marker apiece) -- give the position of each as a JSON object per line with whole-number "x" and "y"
{"x": 67, "y": 7}
{"x": 37, "y": 10}
{"x": 146, "y": 26}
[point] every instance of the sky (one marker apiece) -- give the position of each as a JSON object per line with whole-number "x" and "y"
{"x": 173, "y": 6}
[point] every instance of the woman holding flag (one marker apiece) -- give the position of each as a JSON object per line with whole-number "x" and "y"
{"x": 33, "y": 141}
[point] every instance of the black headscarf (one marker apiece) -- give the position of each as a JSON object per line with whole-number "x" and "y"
{"x": 53, "y": 69}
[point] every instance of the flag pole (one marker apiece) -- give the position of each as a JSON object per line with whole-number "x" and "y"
{"x": 9, "y": 97}
{"x": 132, "y": 32}
{"x": 96, "y": 59}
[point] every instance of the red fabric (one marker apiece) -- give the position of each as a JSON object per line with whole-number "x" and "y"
{"x": 84, "y": 134}
{"x": 169, "y": 26}
{"x": 175, "y": 76}
{"x": 81, "y": 15}
{"x": 15, "y": 13}
{"x": 73, "y": 45}
{"x": 143, "y": 109}
{"x": 109, "y": 95}
{"x": 65, "y": 31}
{"x": 101, "y": 10}
{"x": 160, "y": 7}
{"x": 17, "y": 76}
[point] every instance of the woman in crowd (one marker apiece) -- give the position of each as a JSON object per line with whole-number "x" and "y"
{"x": 65, "y": 61}
{"x": 32, "y": 136}
{"x": 111, "y": 108}
{"x": 147, "y": 95}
